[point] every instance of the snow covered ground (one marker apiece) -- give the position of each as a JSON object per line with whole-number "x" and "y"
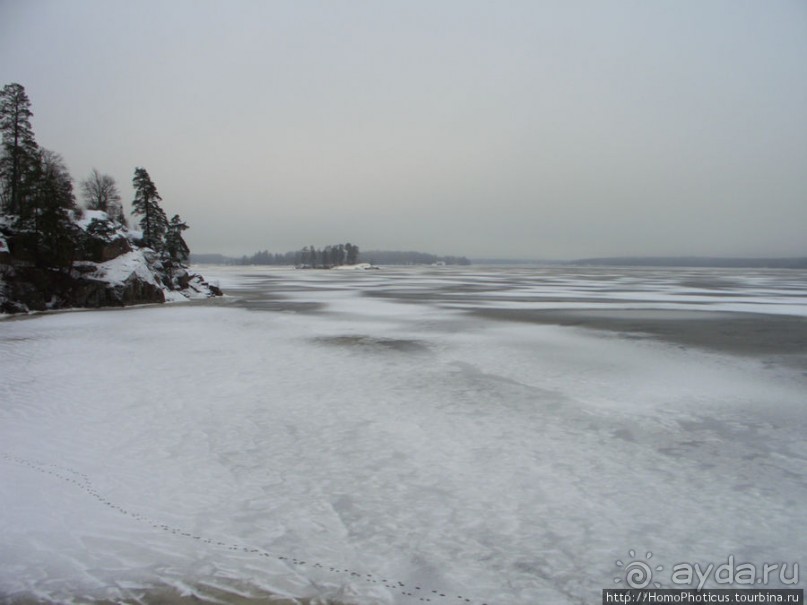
{"x": 362, "y": 437}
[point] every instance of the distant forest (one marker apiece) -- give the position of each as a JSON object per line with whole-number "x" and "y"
{"x": 392, "y": 257}
{"x": 332, "y": 256}
{"x": 694, "y": 261}
{"x": 386, "y": 257}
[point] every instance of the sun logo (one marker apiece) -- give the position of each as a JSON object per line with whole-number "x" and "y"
{"x": 638, "y": 573}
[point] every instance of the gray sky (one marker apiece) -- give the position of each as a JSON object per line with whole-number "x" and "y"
{"x": 538, "y": 129}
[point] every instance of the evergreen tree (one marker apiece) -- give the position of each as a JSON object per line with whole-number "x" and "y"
{"x": 310, "y": 256}
{"x": 51, "y": 201}
{"x": 175, "y": 245}
{"x": 19, "y": 159}
{"x": 352, "y": 253}
{"x": 154, "y": 222}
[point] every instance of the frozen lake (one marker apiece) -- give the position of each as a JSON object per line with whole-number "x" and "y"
{"x": 443, "y": 435}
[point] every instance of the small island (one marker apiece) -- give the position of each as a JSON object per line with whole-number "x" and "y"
{"x": 56, "y": 254}
{"x": 334, "y": 256}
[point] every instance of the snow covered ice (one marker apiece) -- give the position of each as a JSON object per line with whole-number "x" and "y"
{"x": 385, "y": 438}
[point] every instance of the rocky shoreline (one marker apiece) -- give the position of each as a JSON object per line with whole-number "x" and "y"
{"x": 111, "y": 268}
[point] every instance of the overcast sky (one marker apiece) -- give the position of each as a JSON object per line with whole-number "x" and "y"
{"x": 508, "y": 128}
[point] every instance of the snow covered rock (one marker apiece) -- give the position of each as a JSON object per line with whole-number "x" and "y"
{"x": 358, "y": 267}
{"x": 102, "y": 238}
{"x": 110, "y": 268}
{"x": 5, "y": 254}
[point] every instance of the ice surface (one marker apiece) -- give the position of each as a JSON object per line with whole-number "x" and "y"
{"x": 383, "y": 446}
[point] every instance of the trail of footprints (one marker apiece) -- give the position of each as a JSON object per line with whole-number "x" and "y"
{"x": 82, "y": 481}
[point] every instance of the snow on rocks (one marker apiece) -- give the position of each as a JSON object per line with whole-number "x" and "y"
{"x": 111, "y": 268}
{"x": 357, "y": 267}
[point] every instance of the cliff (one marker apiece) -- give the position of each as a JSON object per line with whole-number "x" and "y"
{"x": 110, "y": 267}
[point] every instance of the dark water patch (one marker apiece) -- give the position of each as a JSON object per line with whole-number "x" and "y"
{"x": 4, "y": 339}
{"x": 283, "y": 306}
{"x": 263, "y": 300}
{"x": 374, "y": 344}
{"x": 403, "y": 295}
{"x": 712, "y": 283}
{"x": 470, "y": 297}
{"x": 737, "y": 333}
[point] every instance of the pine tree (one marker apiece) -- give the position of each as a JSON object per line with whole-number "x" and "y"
{"x": 154, "y": 222}
{"x": 175, "y": 246}
{"x": 50, "y": 203}
{"x": 352, "y": 253}
{"x": 19, "y": 159}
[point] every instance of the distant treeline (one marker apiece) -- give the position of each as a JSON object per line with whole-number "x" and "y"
{"x": 332, "y": 256}
{"x": 386, "y": 257}
{"x": 695, "y": 261}
{"x": 392, "y": 257}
